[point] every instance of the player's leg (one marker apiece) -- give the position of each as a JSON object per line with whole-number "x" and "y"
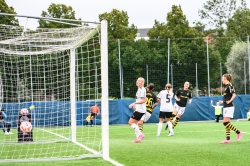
{"x": 161, "y": 120}
{"x": 144, "y": 119}
{"x": 228, "y": 114}
{"x": 180, "y": 112}
{"x": 174, "y": 113}
{"x": 2, "y": 126}
{"x": 217, "y": 118}
{"x": 8, "y": 127}
{"x": 170, "y": 125}
{"x": 93, "y": 115}
{"x": 229, "y": 126}
{"x": 133, "y": 121}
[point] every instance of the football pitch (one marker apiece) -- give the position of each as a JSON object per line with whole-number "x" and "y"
{"x": 194, "y": 143}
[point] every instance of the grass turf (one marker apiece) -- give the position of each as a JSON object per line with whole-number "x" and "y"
{"x": 194, "y": 143}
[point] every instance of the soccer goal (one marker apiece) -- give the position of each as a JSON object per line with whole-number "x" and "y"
{"x": 57, "y": 74}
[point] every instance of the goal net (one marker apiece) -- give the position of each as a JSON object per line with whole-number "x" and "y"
{"x": 57, "y": 75}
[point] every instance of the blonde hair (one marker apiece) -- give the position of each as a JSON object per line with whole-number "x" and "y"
{"x": 143, "y": 80}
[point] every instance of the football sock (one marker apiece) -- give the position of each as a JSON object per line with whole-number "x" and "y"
{"x": 231, "y": 127}
{"x": 170, "y": 125}
{"x": 91, "y": 121}
{"x": 141, "y": 127}
{"x": 159, "y": 128}
{"x": 172, "y": 117}
{"x": 176, "y": 122}
{"x": 136, "y": 129}
{"x": 227, "y": 133}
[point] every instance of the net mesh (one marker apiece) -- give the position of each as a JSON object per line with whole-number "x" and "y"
{"x": 35, "y": 72}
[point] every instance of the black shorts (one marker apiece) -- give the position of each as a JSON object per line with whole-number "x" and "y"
{"x": 165, "y": 114}
{"x": 93, "y": 114}
{"x": 137, "y": 115}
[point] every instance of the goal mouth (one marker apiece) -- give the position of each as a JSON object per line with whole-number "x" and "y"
{"x": 58, "y": 71}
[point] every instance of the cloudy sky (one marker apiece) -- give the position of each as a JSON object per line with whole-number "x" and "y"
{"x": 142, "y": 13}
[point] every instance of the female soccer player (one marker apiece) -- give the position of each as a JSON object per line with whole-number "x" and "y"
{"x": 151, "y": 103}
{"x": 94, "y": 111}
{"x": 4, "y": 124}
{"x": 181, "y": 96}
{"x": 165, "y": 99}
{"x": 228, "y": 108}
{"x": 140, "y": 109}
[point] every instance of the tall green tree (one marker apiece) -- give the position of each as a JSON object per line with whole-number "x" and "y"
{"x": 7, "y": 20}
{"x": 239, "y": 24}
{"x": 217, "y": 12}
{"x": 177, "y": 26}
{"x": 235, "y": 65}
{"x": 118, "y": 25}
{"x": 58, "y": 11}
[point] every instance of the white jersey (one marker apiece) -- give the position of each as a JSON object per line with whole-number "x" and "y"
{"x": 141, "y": 93}
{"x": 166, "y": 100}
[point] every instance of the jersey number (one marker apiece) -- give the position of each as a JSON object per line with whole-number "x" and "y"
{"x": 167, "y": 99}
{"x": 149, "y": 102}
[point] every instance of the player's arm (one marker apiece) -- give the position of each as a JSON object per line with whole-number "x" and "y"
{"x": 98, "y": 111}
{"x": 190, "y": 97}
{"x": 143, "y": 100}
{"x": 212, "y": 103}
{"x": 176, "y": 98}
{"x": 155, "y": 101}
{"x": 177, "y": 93}
{"x": 231, "y": 88}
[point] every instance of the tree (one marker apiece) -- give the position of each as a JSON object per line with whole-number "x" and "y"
{"x": 58, "y": 11}
{"x": 7, "y": 20}
{"x": 239, "y": 24}
{"x": 235, "y": 65}
{"x": 219, "y": 11}
{"x": 118, "y": 25}
{"x": 177, "y": 26}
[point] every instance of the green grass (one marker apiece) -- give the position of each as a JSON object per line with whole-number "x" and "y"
{"x": 194, "y": 143}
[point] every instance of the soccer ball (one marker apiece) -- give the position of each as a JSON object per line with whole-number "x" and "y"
{"x": 24, "y": 111}
{"x": 26, "y": 127}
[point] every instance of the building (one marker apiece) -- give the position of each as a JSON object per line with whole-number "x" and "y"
{"x": 142, "y": 34}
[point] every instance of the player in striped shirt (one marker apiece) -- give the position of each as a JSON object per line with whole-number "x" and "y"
{"x": 151, "y": 103}
{"x": 228, "y": 108}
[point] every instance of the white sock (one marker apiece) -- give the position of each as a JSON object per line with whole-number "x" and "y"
{"x": 136, "y": 129}
{"x": 159, "y": 128}
{"x": 170, "y": 126}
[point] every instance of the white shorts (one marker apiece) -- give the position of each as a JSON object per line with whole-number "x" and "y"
{"x": 228, "y": 112}
{"x": 180, "y": 110}
{"x": 146, "y": 116}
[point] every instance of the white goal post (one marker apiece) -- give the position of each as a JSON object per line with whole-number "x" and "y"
{"x": 61, "y": 73}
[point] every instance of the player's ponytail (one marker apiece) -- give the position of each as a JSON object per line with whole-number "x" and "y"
{"x": 228, "y": 77}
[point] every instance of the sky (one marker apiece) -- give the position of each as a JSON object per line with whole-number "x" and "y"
{"x": 142, "y": 13}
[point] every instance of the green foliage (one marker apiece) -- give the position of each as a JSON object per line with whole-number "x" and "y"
{"x": 118, "y": 25}
{"x": 7, "y": 20}
{"x": 58, "y": 11}
{"x": 217, "y": 12}
{"x": 235, "y": 65}
{"x": 177, "y": 26}
{"x": 239, "y": 24}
